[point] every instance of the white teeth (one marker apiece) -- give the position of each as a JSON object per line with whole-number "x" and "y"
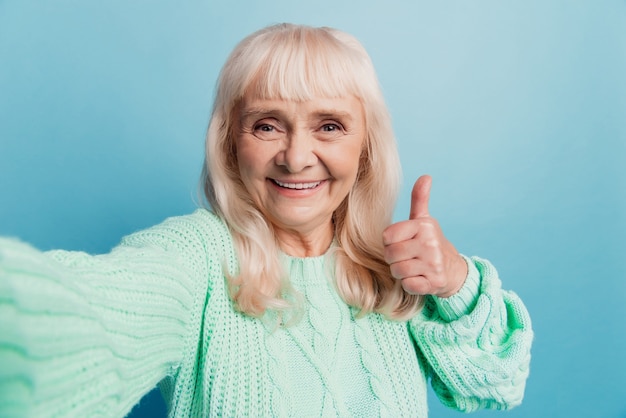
{"x": 297, "y": 186}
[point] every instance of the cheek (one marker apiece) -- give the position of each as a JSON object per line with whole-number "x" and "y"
{"x": 349, "y": 165}
{"x": 246, "y": 168}
{"x": 248, "y": 156}
{"x": 254, "y": 160}
{"x": 249, "y": 175}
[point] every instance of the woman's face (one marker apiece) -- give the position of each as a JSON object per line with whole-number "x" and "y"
{"x": 299, "y": 160}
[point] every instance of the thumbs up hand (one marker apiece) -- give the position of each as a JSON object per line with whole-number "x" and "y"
{"x": 419, "y": 254}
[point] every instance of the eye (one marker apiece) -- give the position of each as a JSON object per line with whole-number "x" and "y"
{"x": 264, "y": 127}
{"x": 330, "y": 127}
{"x": 267, "y": 129}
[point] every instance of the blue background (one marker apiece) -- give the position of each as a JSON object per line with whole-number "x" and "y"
{"x": 516, "y": 108}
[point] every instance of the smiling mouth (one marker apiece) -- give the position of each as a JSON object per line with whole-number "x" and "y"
{"x": 297, "y": 186}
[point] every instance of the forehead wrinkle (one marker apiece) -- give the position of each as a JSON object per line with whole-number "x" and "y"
{"x": 257, "y": 111}
{"x": 314, "y": 109}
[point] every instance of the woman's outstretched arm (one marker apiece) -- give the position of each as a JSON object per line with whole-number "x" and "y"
{"x": 84, "y": 335}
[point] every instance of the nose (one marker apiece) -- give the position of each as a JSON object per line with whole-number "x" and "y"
{"x": 298, "y": 152}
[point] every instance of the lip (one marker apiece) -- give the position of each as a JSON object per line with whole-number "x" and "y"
{"x": 297, "y": 186}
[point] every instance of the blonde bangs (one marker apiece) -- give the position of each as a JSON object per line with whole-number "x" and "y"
{"x": 303, "y": 64}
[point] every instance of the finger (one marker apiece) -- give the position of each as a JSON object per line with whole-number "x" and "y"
{"x": 400, "y": 231}
{"x": 408, "y": 249}
{"x": 417, "y": 285}
{"x": 408, "y": 268}
{"x": 400, "y": 251}
{"x": 420, "y": 196}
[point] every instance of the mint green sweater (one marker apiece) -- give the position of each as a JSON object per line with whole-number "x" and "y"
{"x": 88, "y": 336}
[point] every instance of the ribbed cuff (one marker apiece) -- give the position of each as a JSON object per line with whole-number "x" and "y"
{"x": 461, "y": 303}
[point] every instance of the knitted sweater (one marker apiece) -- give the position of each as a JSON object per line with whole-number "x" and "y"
{"x": 88, "y": 336}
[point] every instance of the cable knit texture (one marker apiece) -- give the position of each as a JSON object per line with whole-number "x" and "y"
{"x": 88, "y": 336}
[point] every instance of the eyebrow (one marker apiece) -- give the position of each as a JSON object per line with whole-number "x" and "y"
{"x": 258, "y": 111}
{"x": 322, "y": 114}
{"x": 334, "y": 113}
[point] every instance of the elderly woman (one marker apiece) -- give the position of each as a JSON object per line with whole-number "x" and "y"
{"x": 293, "y": 295}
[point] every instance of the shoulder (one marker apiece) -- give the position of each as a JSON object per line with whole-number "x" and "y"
{"x": 201, "y": 234}
{"x": 201, "y": 221}
{"x": 201, "y": 225}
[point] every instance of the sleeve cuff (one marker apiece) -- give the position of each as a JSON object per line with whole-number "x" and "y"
{"x": 461, "y": 303}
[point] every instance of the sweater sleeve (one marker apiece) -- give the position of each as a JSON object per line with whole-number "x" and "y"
{"x": 476, "y": 343}
{"x": 88, "y": 336}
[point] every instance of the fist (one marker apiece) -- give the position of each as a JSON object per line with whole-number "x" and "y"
{"x": 419, "y": 254}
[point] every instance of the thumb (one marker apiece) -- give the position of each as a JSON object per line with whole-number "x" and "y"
{"x": 420, "y": 196}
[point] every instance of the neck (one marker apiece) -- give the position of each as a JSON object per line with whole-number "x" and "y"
{"x": 305, "y": 244}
